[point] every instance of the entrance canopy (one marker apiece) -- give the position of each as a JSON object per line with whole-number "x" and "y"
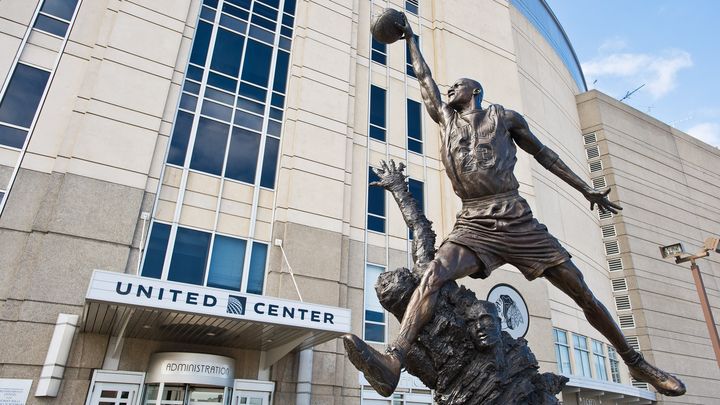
{"x": 131, "y": 306}
{"x": 588, "y": 390}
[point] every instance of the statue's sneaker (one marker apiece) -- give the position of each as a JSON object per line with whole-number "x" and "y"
{"x": 664, "y": 383}
{"x": 382, "y": 371}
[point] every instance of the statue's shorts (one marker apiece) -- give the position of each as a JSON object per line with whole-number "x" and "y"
{"x": 501, "y": 229}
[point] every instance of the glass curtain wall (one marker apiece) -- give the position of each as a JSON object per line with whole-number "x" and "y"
{"x": 228, "y": 125}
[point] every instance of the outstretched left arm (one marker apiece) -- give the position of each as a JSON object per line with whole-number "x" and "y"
{"x": 527, "y": 141}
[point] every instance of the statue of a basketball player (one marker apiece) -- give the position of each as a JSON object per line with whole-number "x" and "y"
{"x": 495, "y": 225}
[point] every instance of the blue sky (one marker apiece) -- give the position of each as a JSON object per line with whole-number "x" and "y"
{"x": 672, "y": 47}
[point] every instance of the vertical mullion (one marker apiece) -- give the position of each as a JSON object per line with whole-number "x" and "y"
{"x": 191, "y": 139}
{"x": 263, "y": 140}
{"x": 227, "y": 144}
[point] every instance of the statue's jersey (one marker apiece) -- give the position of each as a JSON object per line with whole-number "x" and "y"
{"x": 479, "y": 154}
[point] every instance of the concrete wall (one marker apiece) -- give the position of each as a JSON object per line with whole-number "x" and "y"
{"x": 667, "y": 183}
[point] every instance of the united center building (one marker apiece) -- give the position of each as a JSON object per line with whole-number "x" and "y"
{"x": 186, "y": 218}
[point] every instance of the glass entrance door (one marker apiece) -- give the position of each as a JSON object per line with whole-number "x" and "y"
{"x": 205, "y": 395}
{"x": 183, "y": 394}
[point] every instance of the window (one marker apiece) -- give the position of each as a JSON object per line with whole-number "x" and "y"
{"x": 55, "y": 15}
{"x": 2, "y": 196}
{"x": 599, "y": 359}
{"x": 614, "y": 365}
{"x": 20, "y": 103}
{"x": 562, "y": 351}
{"x": 374, "y": 312}
{"x": 156, "y": 249}
{"x": 412, "y": 6}
{"x": 226, "y": 267}
{"x": 232, "y": 103}
{"x": 376, "y": 204}
{"x": 408, "y": 62}
{"x": 379, "y": 52}
{"x": 377, "y": 113}
{"x": 417, "y": 190}
{"x": 191, "y": 254}
{"x": 414, "y": 126}
{"x": 582, "y": 356}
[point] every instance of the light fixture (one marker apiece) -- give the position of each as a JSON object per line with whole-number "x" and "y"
{"x": 674, "y": 250}
{"x": 712, "y": 244}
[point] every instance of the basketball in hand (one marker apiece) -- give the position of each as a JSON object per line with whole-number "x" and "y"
{"x": 385, "y": 27}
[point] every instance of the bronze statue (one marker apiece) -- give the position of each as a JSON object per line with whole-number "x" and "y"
{"x": 461, "y": 352}
{"x": 495, "y": 225}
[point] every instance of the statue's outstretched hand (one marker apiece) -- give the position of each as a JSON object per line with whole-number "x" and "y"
{"x": 391, "y": 176}
{"x": 405, "y": 27}
{"x": 599, "y": 197}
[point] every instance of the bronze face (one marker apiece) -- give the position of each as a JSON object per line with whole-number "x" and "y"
{"x": 460, "y": 94}
{"x": 484, "y": 324}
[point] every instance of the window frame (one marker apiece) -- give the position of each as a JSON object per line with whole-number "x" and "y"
{"x": 599, "y": 360}
{"x": 384, "y": 322}
{"x": 414, "y": 6}
{"x": 374, "y": 110}
{"x": 583, "y": 365}
{"x": 565, "y": 348}
{"x": 170, "y": 246}
{"x": 378, "y": 192}
{"x": 418, "y": 138}
{"x": 46, "y": 14}
{"x": 378, "y": 51}
{"x": 614, "y": 363}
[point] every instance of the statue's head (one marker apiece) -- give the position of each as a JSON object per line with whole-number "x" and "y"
{"x": 484, "y": 324}
{"x": 465, "y": 94}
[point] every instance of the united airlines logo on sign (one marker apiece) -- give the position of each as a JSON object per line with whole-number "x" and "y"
{"x": 236, "y": 305}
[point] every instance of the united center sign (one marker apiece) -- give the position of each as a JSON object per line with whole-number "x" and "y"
{"x": 134, "y": 290}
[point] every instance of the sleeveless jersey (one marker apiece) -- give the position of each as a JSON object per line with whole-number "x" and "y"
{"x": 479, "y": 154}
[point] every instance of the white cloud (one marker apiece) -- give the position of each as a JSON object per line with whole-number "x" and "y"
{"x": 708, "y": 132}
{"x": 657, "y": 72}
{"x": 613, "y": 44}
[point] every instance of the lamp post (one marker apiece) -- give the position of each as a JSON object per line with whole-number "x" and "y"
{"x": 677, "y": 252}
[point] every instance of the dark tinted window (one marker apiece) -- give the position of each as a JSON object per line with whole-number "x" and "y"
{"x": 256, "y": 278}
{"x": 12, "y": 137}
{"x": 270, "y": 162}
{"x": 376, "y": 205}
{"x": 281, "y": 71}
{"x": 377, "y": 113}
{"x": 201, "y": 43}
{"x": 242, "y": 156}
{"x": 418, "y": 192}
{"x": 408, "y": 63}
{"x": 228, "y": 52}
{"x": 226, "y": 266}
{"x": 59, "y": 8}
{"x": 189, "y": 256}
{"x": 210, "y": 144}
{"x": 51, "y": 25}
{"x": 373, "y": 331}
{"x": 379, "y": 52}
{"x": 180, "y": 138}
{"x": 23, "y": 95}
{"x": 414, "y": 126}
{"x": 257, "y": 68}
{"x": 155, "y": 253}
